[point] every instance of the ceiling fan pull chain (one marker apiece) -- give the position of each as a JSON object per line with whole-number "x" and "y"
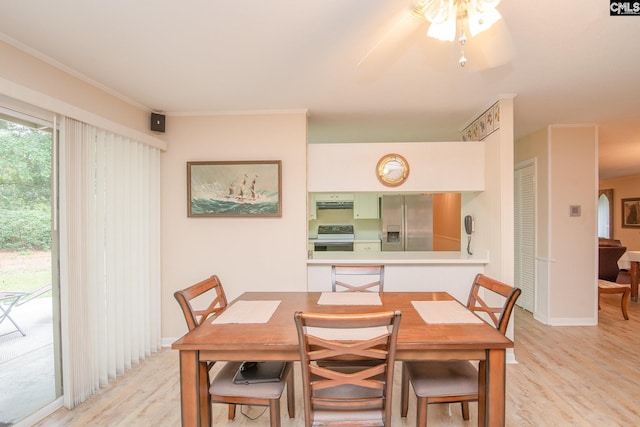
{"x": 462, "y": 40}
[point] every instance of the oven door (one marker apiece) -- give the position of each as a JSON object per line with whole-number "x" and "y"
{"x": 320, "y": 246}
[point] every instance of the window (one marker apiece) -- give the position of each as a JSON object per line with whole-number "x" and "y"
{"x": 605, "y": 214}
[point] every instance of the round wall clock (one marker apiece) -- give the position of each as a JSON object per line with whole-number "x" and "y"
{"x": 392, "y": 170}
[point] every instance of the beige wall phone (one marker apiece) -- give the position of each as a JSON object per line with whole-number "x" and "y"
{"x": 469, "y": 227}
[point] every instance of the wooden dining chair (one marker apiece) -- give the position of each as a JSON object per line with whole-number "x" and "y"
{"x": 357, "y": 278}
{"x": 222, "y": 389}
{"x": 347, "y": 395}
{"x": 453, "y": 381}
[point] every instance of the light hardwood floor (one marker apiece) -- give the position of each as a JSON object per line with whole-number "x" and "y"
{"x": 565, "y": 376}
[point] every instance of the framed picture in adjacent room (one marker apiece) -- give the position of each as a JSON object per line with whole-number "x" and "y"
{"x": 234, "y": 189}
{"x": 631, "y": 213}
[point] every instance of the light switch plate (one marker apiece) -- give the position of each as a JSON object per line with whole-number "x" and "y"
{"x": 575, "y": 210}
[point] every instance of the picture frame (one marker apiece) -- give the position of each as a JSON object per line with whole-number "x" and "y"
{"x": 234, "y": 188}
{"x": 631, "y": 213}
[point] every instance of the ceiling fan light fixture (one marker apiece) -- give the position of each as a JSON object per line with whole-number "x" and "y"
{"x": 444, "y": 15}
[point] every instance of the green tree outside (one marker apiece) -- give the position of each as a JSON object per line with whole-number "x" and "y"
{"x": 25, "y": 187}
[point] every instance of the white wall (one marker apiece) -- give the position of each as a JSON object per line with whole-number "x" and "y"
{"x": 33, "y": 81}
{"x": 573, "y": 176}
{"x": 566, "y": 258}
{"x": 492, "y": 209}
{"x": 433, "y": 166}
{"x": 248, "y": 254}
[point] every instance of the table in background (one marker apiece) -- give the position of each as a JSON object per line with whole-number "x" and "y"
{"x": 630, "y": 261}
{"x": 277, "y": 340}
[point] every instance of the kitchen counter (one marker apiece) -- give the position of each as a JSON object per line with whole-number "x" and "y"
{"x": 357, "y": 239}
{"x": 397, "y": 258}
{"x": 452, "y": 272}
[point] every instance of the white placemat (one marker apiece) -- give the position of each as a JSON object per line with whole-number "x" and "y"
{"x": 248, "y": 312}
{"x": 347, "y": 334}
{"x": 444, "y": 312}
{"x": 349, "y": 298}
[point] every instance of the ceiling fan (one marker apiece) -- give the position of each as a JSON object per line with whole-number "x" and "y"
{"x": 480, "y": 38}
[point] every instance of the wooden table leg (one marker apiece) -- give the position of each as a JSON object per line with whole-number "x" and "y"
{"x": 190, "y": 379}
{"x": 204, "y": 396}
{"x": 482, "y": 393}
{"x": 493, "y": 391}
{"x": 634, "y": 281}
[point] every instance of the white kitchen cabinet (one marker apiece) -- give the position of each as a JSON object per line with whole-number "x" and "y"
{"x": 372, "y": 246}
{"x": 365, "y": 206}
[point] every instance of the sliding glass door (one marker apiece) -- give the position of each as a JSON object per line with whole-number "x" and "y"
{"x": 29, "y": 326}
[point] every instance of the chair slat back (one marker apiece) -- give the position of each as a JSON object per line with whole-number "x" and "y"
{"x": 499, "y": 315}
{"x": 35, "y": 294}
{"x": 357, "y": 278}
{"x": 185, "y": 297}
{"x": 348, "y": 391}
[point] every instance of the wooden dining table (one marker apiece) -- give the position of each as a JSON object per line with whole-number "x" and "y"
{"x": 275, "y": 339}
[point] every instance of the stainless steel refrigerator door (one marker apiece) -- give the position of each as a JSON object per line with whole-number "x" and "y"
{"x": 392, "y": 223}
{"x": 418, "y": 222}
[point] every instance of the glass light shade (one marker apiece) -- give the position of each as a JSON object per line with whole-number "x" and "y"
{"x": 480, "y": 21}
{"x": 443, "y": 31}
{"x": 438, "y": 11}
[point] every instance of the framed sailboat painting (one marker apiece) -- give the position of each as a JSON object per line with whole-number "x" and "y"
{"x": 234, "y": 189}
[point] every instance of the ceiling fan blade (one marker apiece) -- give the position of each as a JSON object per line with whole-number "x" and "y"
{"x": 392, "y": 43}
{"x": 490, "y": 49}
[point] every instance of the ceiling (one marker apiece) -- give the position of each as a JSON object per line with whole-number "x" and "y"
{"x": 364, "y": 69}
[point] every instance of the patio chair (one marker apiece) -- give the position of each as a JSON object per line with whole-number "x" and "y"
{"x": 9, "y": 300}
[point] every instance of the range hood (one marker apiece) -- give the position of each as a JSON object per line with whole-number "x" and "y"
{"x": 335, "y": 205}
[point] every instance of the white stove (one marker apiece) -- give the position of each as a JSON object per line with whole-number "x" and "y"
{"x": 334, "y": 238}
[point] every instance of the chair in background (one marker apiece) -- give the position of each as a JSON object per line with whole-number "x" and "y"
{"x": 452, "y": 381}
{"x": 606, "y": 287}
{"x": 609, "y": 252}
{"x": 222, "y": 389}
{"x": 347, "y": 395}
{"x": 9, "y": 300}
{"x": 357, "y": 278}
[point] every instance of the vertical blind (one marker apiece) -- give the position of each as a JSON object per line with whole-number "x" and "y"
{"x": 109, "y": 256}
